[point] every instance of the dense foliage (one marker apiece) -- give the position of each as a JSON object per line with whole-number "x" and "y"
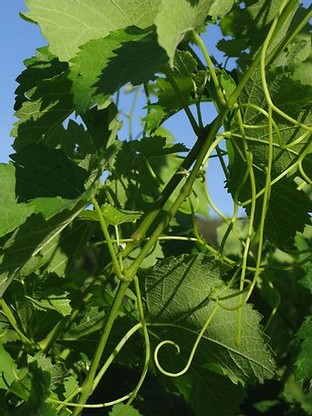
{"x": 112, "y": 301}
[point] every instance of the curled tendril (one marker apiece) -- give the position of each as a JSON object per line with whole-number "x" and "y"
{"x": 168, "y": 373}
{"x": 177, "y": 347}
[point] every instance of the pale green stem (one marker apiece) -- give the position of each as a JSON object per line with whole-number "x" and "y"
{"x": 107, "y": 236}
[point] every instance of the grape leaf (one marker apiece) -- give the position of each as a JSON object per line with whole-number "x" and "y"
{"x": 43, "y": 65}
{"x": 12, "y": 213}
{"x": 303, "y": 362}
{"x": 156, "y": 146}
{"x": 290, "y": 97}
{"x": 131, "y": 411}
{"x": 8, "y": 368}
{"x": 40, "y": 384}
{"x": 56, "y": 301}
{"x": 248, "y": 27}
{"x": 116, "y": 216}
{"x": 204, "y": 390}
{"x": 184, "y": 17}
{"x": 48, "y": 105}
{"x": 103, "y": 65}
{"x": 44, "y": 172}
{"x": 48, "y": 180}
{"x": 71, "y": 24}
{"x": 289, "y": 208}
{"x": 31, "y": 237}
{"x": 61, "y": 252}
{"x": 179, "y": 296}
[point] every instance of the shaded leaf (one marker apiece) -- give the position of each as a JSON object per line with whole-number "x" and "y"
{"x": 8, "y": 368}
{"x": 103, "y": 65}
{"x": 204, "y": 390}
{"x": 12, "y": 213}
{"x": 61, "y": 253}
{"x": 49, "y": 104}
{"x": 30, "y": 238}
{"x": 289, "y": 208}
{"x": 180, "y": 293}
{"x": 249, "y": 25}
{"x": 43, "y": 65}
{"x": 156, "y": 146}
{"x": 303, "y": 362}
{"x": 57, "y": 301}
{"x": 131, "y": 411}
{"x": 44, "y": 172}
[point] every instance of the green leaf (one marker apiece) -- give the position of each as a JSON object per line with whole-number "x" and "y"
{"x": 64, "y": 250}
{"x": 116, "y": 216}
{"x": 71, "y": 24}
{"x": 303, "y": 362}
{"x": 168, "y": 97}
{"x": 291, "y": 97}
{"x": 90, "y": 322}
{"x": 48, "y": 105}
{"x": 44, "y": 362}
{"x": 204, "y": 390}
{"x": 44, "y": 172}
{"x": 131, "y": 411}
{"x": 181, "y": 295}
{"x": 57, "y": 301}
{"x": 35, "y": 404}
{"x": 8, "y": 368}
{"x": 156, "y": 146}
{"x": 289, "y": 208}
{"x": 184, "y": 17}
{"x": 30, "y": 238}
{"x": 103, "y": 65}
{"x": 42, "y": 66}
{"x": 248, "y": 26}
{"x": 12, "y": 213}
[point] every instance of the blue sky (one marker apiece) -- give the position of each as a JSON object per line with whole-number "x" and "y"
{"x": 20, "y": 39}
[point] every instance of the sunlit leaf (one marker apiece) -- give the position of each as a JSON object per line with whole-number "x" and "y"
{"x": 71, "y": 24}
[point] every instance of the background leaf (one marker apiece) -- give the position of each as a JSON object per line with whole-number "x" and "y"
{"x": 304, "y": 359}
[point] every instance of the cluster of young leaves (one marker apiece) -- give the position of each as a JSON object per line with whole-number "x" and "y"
{"x": 101, "y": 257}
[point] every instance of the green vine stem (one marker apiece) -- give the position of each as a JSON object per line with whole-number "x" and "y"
{"x": 10, "y": 316}
{"x": 147, "y": 347}
{"x": 150, "y": 217}
{"x": 218, "y": 89}
{"x": 99, "y": 376}
{"x": 184, "y": 193}
{"x": 88, "y": 384}
{"x": 107, "y": 236}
